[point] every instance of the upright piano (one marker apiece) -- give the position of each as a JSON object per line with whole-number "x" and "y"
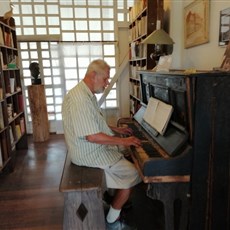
{"x": 191, "y": 161}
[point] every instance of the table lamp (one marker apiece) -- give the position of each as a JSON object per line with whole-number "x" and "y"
{"x": 158, "y": 37}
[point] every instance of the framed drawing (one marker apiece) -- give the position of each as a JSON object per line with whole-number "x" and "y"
{"x": 224, "y": 31}
{"x": 196, "y": 19}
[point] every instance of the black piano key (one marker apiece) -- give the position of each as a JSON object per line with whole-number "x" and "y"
{"x": 136, "y": 131}
{"x": 150, "y": 150}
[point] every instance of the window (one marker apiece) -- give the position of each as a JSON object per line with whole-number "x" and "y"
{"x": 63, "y": 36}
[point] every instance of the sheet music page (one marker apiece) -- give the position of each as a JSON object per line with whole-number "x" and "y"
{"x": 158, "y": 114}
{"x": 150, "y": 110}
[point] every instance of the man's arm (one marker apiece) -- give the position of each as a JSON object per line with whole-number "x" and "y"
{"x": 104, "y": 139}
{"x": 122, "y": 130}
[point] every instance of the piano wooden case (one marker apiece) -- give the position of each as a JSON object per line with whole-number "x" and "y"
{"x": 195, "y": 150}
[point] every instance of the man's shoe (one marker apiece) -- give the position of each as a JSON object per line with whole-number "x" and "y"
{"x": 118, "y": 225}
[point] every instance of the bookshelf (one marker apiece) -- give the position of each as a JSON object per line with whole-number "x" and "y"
{"x": 12, "y": 117}
{"x": 143, "y": 21}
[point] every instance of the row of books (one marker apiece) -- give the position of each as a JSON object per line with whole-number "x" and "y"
{"x": 134, "y": 106}
{"x": 137, "y": 8}
{"x": 138, "y": 50}
{"x": 135, "y": 90}
{"x": 11, "y": 112}
{"x": 17, "y": 132}
{"x": 2, "y": 62}
{"x": 138, "y": 29}
{"x": 134, "y": 69}
{"x": 11, "y": 62}
{"x": 6, "y": 38}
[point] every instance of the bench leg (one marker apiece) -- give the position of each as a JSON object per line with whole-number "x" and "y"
{"x": 83, "y": 210}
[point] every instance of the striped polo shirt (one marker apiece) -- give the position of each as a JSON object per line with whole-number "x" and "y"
{"x": 82, "y": 117}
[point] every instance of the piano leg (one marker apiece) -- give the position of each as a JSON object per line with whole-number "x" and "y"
{"x": 168, "y": 193}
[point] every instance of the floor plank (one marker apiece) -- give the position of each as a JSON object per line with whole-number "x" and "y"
{"x": 30, "y": 197}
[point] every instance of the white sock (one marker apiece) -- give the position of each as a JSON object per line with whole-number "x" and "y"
{"x": 113, "y": 215}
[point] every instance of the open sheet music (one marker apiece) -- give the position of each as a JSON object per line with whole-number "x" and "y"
{"x": 158, "y": 114}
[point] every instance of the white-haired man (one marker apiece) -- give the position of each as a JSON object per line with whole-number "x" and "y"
{"x": 91, "y": 142}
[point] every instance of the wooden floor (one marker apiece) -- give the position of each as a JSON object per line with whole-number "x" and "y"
{"x": 30, "y": 197}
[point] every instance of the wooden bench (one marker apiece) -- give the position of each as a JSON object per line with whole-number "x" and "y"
{"x": 82, "y": 188}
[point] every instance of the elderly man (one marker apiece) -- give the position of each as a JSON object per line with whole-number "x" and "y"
{"x": 91, "y": 142}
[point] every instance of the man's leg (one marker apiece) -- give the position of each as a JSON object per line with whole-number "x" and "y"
{"x": 120, "y": 198}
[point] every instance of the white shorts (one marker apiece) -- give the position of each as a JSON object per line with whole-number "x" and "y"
{"x": 121, "y": 175}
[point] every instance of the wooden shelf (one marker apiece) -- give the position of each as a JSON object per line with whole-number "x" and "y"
{"x": 144, "y": 16}
{"x": 12, "y": 117}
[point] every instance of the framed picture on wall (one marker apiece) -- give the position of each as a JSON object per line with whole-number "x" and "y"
{"x": 196, "y": 19}
{"x": 224, "y": 31}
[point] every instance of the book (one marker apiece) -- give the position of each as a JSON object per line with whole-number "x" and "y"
{"x": 7, "y": 39}
{"x": 1, "y": 61}
{"x": 18, "y": 131}
{"x": 1, "y": 158}
{"x": 20, "y": 103}
{"x": 1, "y": 94}
{"x": 22, "y": 126}
{"x": 11, "y": 137}
{"x": 158, "y": 114}
{"x": 11, "y": 40}
{"x": 1, "y": 37}
{"x": 1, "y": 118}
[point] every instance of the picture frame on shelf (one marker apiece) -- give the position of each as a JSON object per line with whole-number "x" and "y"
{"x": 196, "y": 19}
{"x": 224, "y": 28}
{"x": 225, "y": 65}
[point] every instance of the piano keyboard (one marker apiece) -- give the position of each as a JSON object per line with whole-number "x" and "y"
{"x": 136, "y": 131}
{"x": 150, "y": 150}
{"x": 146, "y": 150}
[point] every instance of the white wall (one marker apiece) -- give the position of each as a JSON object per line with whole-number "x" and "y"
{"x": 202, "y": 57}
{"x": 4, "y": 6}
{"x": 123, "y": 47}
